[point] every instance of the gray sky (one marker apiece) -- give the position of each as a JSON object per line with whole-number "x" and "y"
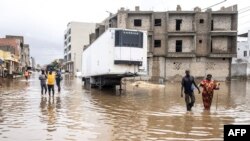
{"x": 42, "y": 22}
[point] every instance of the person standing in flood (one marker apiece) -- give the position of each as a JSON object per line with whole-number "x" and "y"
{"x": 187, "y": 85}
{"x": 51, "y": 82}
{"x": 58, "y": 80}
{"x": 26, "y": 75}
{"x": 208, "y": 86}
{"x": 43, "y": 78}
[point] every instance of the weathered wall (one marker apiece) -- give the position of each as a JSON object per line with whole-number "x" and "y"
{"x": 159, "y": 51}
{"x": 222, "y": 22}
{"x": 199, "y": 67}
{"x": 239, "y": 70}
{"x": 187, "y": 22}
{"x": 122, "y": 20}
{"x": 187, "y": 43}
{"x": 158, "y": 68}
{"x": 220, "y": 44}
{"x": 159, "y": 33}
{"x": 145, "y": 22}
{"x": 202, "y": 33}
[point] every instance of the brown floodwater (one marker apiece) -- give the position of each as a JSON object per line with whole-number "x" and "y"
{"x": 142, "y": 112}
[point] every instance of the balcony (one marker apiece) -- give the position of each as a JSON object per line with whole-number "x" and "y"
{"x": 223, "y": 33}
{"x": 181, "y": 54}
{"x": 181, "y": 33}
{"x": 222, "y": 55}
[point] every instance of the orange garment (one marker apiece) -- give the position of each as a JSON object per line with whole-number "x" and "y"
{"x": 208, "y": 91}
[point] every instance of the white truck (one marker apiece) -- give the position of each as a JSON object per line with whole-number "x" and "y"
{"x": 117, "y": 53}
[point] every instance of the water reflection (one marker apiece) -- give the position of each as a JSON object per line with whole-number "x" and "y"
{"x": 143, "y": 112}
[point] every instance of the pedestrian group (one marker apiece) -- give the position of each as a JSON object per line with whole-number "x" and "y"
{"x": 50, "y": 78}
{"x": 188, "y": 85}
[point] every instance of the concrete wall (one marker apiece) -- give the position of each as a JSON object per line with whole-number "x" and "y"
{"x": 145, "y": 22}
{"x": 187, "y": 43}
{"x": 239, "y": 70}
{"x": 160, "y": 51}
{"x": 222, "y": 22}
{"x": 159, "y": 33}
{"x": 187, "y": 22}
{"x": 122, "y": 19}
{"x": 220, "y": 44}
{"x": 199, "y": 67}
{"x": 202, "y": 33}
{"x": 158, "y": 68}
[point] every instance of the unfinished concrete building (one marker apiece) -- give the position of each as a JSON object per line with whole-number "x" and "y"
{"x": 201, "y": 41}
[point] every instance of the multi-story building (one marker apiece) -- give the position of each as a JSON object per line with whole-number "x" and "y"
{"x": 33, "y": 63}
{"x": 10, "y": 51}
{"x": 24, "y": 52}
{"x": 243, "y": 49}
{"x": 26, "y": 56}
{"x": 75, "y": 38}
{"x": 201, "y": 41}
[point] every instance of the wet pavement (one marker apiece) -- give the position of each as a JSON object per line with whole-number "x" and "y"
{"x": 142, "y": 112}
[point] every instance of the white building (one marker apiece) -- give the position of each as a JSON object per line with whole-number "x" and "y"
{"x": 75, "y": 37}
{"x": 243, "y": 49}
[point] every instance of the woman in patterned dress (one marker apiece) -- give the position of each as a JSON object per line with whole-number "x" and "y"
{"x": 208, "y": 86}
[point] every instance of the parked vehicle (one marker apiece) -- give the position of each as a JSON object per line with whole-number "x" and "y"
{"x": 117, "y": 53}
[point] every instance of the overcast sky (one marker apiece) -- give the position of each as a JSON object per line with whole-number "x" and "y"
{"x": 42, "y": 22}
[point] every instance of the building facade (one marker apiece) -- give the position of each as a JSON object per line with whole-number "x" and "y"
{"x": 24, "y": 52}
{"x": 201, "y": 41}
{"x": 33, "y": 63}
{"x": 26, "y": 56}
{"x": 10, "y": 56}
{"x": 76, "y": 36}
{"x": 243, "y": 49}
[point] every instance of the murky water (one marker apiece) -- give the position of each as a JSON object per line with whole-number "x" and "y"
{"x": 142, "y": 112}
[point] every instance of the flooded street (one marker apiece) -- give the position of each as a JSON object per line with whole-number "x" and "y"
{"x": 143, "y": 112}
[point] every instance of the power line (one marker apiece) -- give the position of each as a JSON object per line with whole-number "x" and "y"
{"x": 244, "y": 11}
{"x": 244, "y": 8}
{"x": 215, "y": 4}
{"x": 244, "y": 16}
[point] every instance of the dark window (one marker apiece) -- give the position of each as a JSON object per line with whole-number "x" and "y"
{"x": 128, "y": 38}
{"x": 211, "y": 46}
{"x": 69, "y": 47}
{"x": 69, "y": 31}
{"x": 245, "y": 53}
{"x": 137, "y": 22}
{"x": 178, "y": 24}
{"x": 157, "y": 22}
{"x": 178, "y": 45}
{"x": 157, "y": 43}
{"x": 201, "y": 20}
{"x": 69, "y": 39}
{"x": 212, "y": 25}
{"x": 200, "y": 41}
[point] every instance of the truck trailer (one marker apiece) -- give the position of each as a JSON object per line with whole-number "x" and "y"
{"x": 117, "y": 53}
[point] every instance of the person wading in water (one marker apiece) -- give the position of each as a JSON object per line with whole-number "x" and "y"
{"x": 43, "y": 78}
{"x": 187, "y": 85}
{"x": 208, "y": 86}
{"x": 51, "y": 83}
